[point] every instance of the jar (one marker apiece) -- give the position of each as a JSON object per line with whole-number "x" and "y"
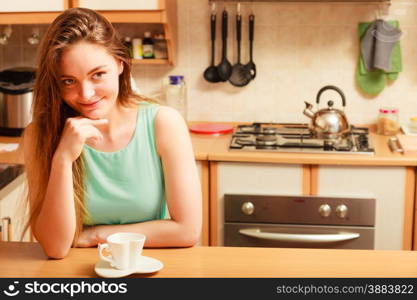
{"x": 387, "y": 123}
{"x": 176, "y": 94}
{"x": 413, "y": 124}
{"x": 160, "y": 46}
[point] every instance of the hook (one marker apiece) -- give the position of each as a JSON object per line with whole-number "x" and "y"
{"x": 33, "y": 39}
{"x": 4, "y": 37}
{"x": 382, "y": 10}
{"x": 213, "y": 8}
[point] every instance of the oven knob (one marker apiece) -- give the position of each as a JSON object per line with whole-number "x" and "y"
{"x": 341, "y": 211}
{"x": 248, "y": 208}
{"x": 325, "y": 210}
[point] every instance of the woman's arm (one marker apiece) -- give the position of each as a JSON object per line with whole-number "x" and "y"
{"x": 54, "y": 227}
{"x": 182, "y": 187}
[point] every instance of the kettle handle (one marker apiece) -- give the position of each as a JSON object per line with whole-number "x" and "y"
{"x": 331, "y": 87}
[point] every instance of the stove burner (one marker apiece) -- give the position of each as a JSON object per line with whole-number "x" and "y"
{"x": 297, "y": 137}
{"x": 269, "y": 130}
{"x": 266, "y": 140}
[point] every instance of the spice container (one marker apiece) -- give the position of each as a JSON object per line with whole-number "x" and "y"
{"x": 413, "y": 124}
{"x": 160, "y": 46}
{"x": 387, "y": 123}
{"x": 148, "y": 46}
{"x": 127, "y": 41}
{"x": 137, "y": 48}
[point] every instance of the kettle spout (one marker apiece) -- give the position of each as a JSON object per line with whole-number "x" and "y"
{"x": 308, "y": 111}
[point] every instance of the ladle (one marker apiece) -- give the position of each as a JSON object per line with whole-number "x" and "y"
{"x": 211, "y": 74}
{"x": 224, "y": 68}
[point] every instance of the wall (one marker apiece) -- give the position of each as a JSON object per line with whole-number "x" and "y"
{"x": 299, "y": 47}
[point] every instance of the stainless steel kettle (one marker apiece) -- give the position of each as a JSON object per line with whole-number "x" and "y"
{"x": 328, "y": 123}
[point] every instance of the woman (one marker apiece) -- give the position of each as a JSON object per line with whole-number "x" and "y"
{"x": 100, "y": 159}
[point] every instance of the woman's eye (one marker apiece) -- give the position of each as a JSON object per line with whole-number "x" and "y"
{"x": 98, "y": 75}
{"x": 67, "y": 81}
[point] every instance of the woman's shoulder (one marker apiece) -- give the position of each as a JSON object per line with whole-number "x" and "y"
{"x": 169, "y": 124}
{"x": 168, "y": 116}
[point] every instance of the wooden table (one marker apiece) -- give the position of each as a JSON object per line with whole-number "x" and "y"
{"x": 19, "y": 259}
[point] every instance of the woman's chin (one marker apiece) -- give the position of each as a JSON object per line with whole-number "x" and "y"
{"x": 94, "y": 114}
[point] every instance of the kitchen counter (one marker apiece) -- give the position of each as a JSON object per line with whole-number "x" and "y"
{"x": 19, "y": 259}
{"x": 11, "y": 157}
{"x": 215, "y": 148}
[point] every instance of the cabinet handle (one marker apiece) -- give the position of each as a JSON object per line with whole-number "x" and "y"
{"x": 6, "y": 236}
{"x": 297, "y": 237}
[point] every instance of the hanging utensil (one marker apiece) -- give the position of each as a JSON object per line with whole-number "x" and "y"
{"x": 211, "y": 74}
{"x": 250, "y": 68}
{"x": 236, "y": 77}
{"x": 224, "y": 68}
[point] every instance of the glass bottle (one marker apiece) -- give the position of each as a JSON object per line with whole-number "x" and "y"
{"x": 127, "y": 41}
{"x": 148, "y": 46}
{"x": 176, "y": 94}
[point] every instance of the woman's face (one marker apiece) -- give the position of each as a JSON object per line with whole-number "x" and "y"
{"x": 89, "y": 79}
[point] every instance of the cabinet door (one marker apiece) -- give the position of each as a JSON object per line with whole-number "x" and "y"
{"x": 249, "y": 178}
{"x": 33, "y": 6}
{"x": 122, "y": 4}
{"x": 203, "y": 173}
{"x": 385, "y": 184}
{"x": 11, "y": 206}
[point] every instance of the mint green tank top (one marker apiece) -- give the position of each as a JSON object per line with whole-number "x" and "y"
{"x": 126, "y": 186}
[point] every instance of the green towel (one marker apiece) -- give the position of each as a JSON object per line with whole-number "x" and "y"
{"x": 373, "y": 82}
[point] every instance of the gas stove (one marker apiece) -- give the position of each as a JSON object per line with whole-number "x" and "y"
{"x": 297, "y": 137}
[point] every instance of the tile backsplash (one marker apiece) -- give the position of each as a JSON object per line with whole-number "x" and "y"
{"x": 18, "y": 51}
{"x": 298, "y": 48}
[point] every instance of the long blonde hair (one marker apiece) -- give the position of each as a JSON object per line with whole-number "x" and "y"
{"x": 49, "y": 109}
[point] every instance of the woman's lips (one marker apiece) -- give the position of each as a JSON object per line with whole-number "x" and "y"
{"x": 90, "y": 105}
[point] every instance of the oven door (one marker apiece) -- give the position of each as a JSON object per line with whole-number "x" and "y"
{"x": 298, "y": 236}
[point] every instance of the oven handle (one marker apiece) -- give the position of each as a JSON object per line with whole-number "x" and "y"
{"x": 304, "y": 238}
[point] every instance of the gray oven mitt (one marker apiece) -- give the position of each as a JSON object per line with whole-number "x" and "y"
{"x": 377, "y": 45}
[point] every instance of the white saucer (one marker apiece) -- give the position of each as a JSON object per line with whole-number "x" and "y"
{"x": 145, "y": 265}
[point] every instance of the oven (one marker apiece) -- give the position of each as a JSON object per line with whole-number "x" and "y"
{"x": 299, "y": 221}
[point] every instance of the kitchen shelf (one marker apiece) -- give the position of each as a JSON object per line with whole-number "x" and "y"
{"x": 289, "y": 1}
{"x": 155, "y": 61}
{"x": 165, "y": 16}
{"x": 14, "y": 18}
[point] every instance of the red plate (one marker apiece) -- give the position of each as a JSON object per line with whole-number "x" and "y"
{"x": 211, "y": 128}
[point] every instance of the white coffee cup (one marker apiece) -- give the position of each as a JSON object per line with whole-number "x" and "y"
{"x": 125, "y": 249}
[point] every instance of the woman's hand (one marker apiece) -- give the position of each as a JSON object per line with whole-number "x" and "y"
{"x": 88, "y": 237}
{"x": 75, "y": 134}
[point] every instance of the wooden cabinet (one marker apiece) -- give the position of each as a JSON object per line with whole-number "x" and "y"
{"x": 203, "y": 171}
{"x": 159, "y": 13}
{"x": 123, "y": 4}
{"x": 33, "y": 6}
{"x": 392, "y": 187}
{"x": 249, "y": 178}
{"x": 12, "y": 210}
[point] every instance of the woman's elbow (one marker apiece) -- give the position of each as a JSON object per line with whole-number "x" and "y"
{"x": 56, "y": 252}
{"x": 191, "y": 236}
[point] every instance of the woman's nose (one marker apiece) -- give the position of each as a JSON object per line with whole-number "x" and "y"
{"x": 87, "y": 91}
